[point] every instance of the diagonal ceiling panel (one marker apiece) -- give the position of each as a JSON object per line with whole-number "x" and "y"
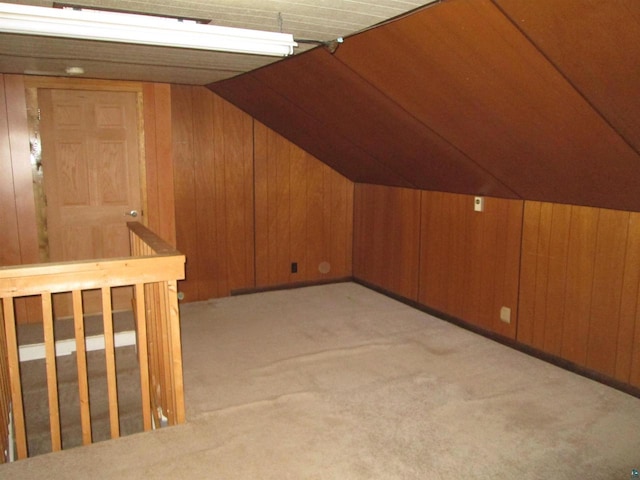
{"x": 293, "y": 123}
{"x": 393, "y": 141}
{"x": 463, "y": 69}
{"x": 469, "y": 96}
{"x": 596, "y": 45}
{"x": 343, "y": 102}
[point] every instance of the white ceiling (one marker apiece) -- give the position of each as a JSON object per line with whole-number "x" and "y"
{"x": 321, "y": 20}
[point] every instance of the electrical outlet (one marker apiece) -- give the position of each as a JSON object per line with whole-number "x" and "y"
{"x": 478, "y": 204}
{"x": 294, "y": 267}
{"x": 505, "y": 314}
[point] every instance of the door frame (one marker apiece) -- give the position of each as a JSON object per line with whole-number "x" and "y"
{"x": 32, "y": 84}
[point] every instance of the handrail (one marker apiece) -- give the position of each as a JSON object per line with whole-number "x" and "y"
{"x": 153, "y": 272}
{"x": 162, "y": 324}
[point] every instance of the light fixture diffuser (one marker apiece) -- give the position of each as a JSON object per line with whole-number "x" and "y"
{"x": 140, "y": 29}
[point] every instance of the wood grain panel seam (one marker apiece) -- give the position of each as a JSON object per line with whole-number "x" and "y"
{"x": 429, "y": 128}
{"x": 10, "y": 167}
{"x": 253, "y": 185}
{"x": 384, "y": 166}
{"x": 532, "y": 295}
{"x": 566, "y": 78}
{"x": 419, "y": 269}
{"x": 621, "y": 299}
{"x": 593, "y": 283}
{"x": 519, "y": 270}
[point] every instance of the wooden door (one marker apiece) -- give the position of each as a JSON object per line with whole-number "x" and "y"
{"x": 90, "y": 160}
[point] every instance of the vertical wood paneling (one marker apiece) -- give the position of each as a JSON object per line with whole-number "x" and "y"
{"x": 386, "y": 238}
{"x": 611, "y": 246}
{"x": 298, "y": 208}
{"x": 469, "y": 261}
{"x": 213, "y": 164}
{"x": 261, "y": 169}
{"x": 17, "y": 215}
{"x": 553, "y": 277}
{"x": 556, "y": 279}
{"x": 21, "y": 164}
{"x": 580, "y": 264}
{"x": 439, "y": 235}
{"x": 629, "y": 304}
{"x": 316, "y": 225}
{"x": 18, "y": 233}
{"x": 234, "y": 198}
{"x": 158, "y": 160}
{"x": 280, "y": 201}
{"x": 542, "y": 274}
{"x": 185, "y": 186}
{"x": 10, "y": 251}
{"x": 216, "y": 205}
{"x": 528, "y": 274}
{"x": 303, "y": 214}
{"x": 211, "y": 270}
{"x": 585, "y": 304}
{"x": 508, "y": 286}
{"x": 342, "y": 224}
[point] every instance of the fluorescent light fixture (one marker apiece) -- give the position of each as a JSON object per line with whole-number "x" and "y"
{"x": 140, "y": 29}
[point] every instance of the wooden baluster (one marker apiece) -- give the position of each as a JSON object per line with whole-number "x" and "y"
{"x": 143, "y": 359}
{"x": 109, "y": 351}
{"x": 155, "y": 351}
{"x": 173, "y": 324}
{"x": 81, "y": 359}
{"x": 165, "y": 358}
{"x": 14, "y": 378}
{"x": 5, "y": 393}
{"x": 52, "y": 377}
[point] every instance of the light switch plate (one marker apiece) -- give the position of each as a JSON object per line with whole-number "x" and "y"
{"x": 478, "y": 204}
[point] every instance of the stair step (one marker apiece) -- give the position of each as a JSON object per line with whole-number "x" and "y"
{"x": 35, "y": 398}
{"x": 40, "y": 442}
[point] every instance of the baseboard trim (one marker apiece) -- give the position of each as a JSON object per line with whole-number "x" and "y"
{"x": 290, "y": 286}
{"x": 36, "y": 351}
{"x": 510, "y": 342}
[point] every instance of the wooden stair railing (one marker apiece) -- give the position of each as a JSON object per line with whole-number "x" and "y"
{"x": 153, "y": 271}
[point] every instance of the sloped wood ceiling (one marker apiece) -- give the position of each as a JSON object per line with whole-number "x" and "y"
{"x": 509, "y": 98}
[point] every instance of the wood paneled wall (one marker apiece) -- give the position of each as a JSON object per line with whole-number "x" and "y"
{"x": 158, "y": 162}
{"x": 10, "y": 251}
{"x": 250, "y": 203}
{"x": 18, "y": 234}
{"x": 199, "y": 154}
{"x": 304, "y": 214}
{"x": 213, "y": 176}
{"x": 18, "y": 230}
{"x": 469, "y": 261}
{"x": 18, "y": 226}
{"x": 569, "y": 274}
{"x": 579, "y": 287}
{"x": 386, "y": 238}
{"x": 432, "y": 248}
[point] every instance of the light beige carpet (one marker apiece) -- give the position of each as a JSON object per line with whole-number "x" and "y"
{"x": 339, "y": 382}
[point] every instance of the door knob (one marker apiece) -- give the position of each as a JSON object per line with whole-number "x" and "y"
{"x": 132, "y": 213}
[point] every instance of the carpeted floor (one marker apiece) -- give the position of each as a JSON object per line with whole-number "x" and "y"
{"x": 339, "y": 382}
